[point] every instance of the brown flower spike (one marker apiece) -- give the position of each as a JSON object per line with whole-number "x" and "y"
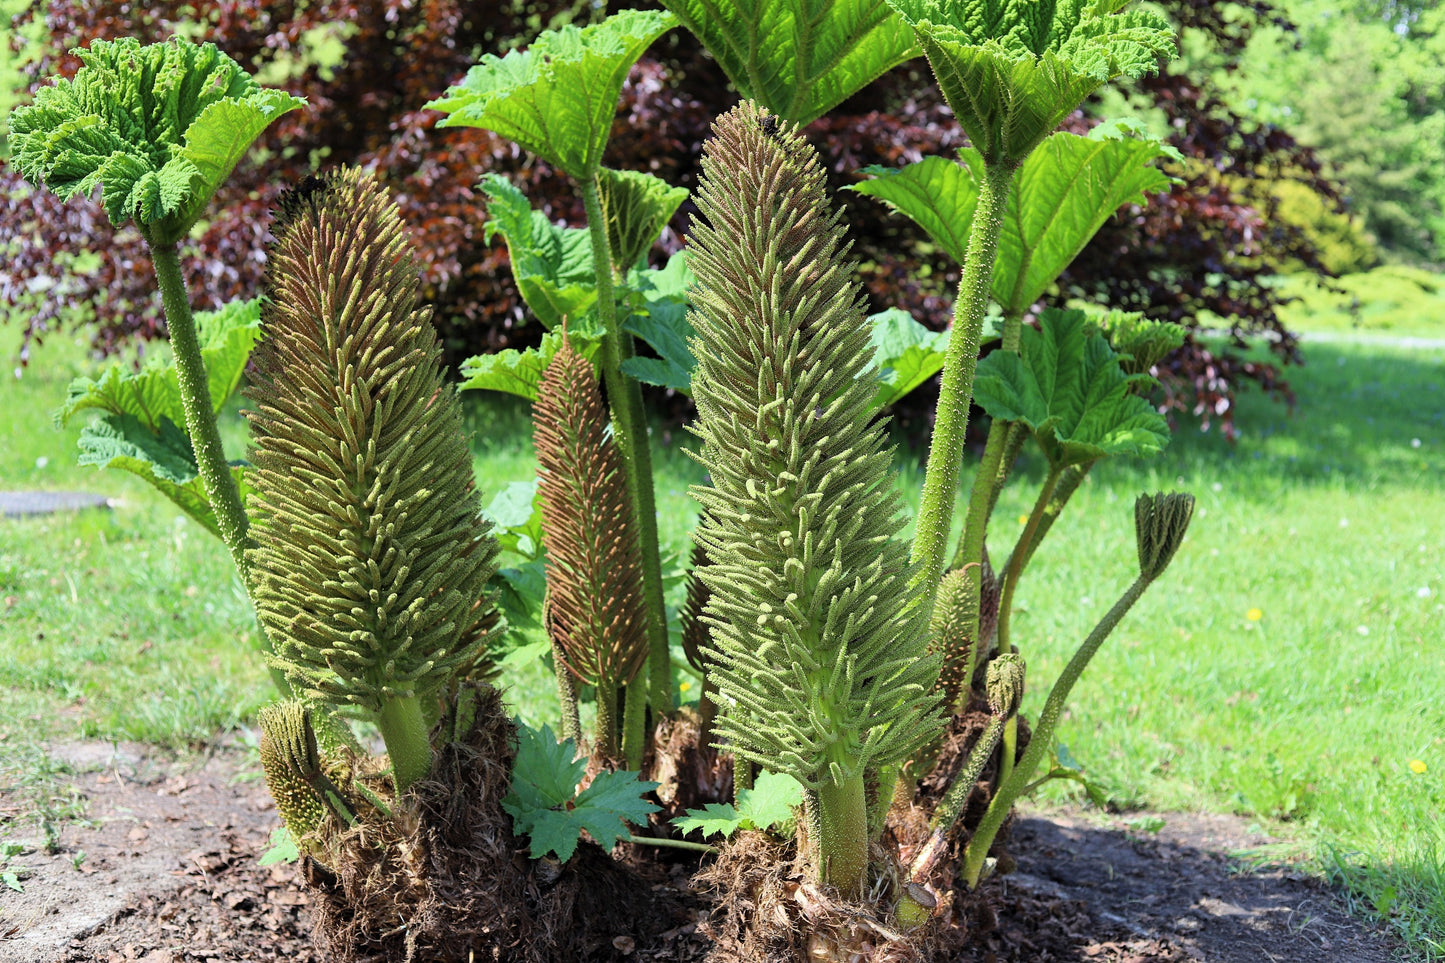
{"x": 594, "y": 568}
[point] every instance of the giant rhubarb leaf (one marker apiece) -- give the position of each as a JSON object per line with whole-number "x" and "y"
{"x": 552, "y": 265}
{"x": 799, "y": 58}
{"x": 1013, "y": 69}
{"x": 557, "y": 98}
{"x": 1068, "y": 387}
{"x": 545, "y": 805}
{"x": 1062, "y": 195}
{"x": 158, "y": 127}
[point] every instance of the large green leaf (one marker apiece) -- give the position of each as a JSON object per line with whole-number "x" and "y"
{"x": 153, "y": 393}
{"x": 1061, "y": 196}
{"x": 1068, "y": 387}
{"x": 638, "y": 206}
{"x": 557, "y": 98}
{"x": 798, "y": 58}
{"x": 1141, "y": 343}
{"x": 769, "y": 804}
{"x": 907, "y": 354}
{"x": 1013, "y": 69}
{"x": 159, "y": 127}
{"x": 161, "y": 455}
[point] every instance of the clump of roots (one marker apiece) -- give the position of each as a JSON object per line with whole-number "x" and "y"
{"x": 441, "y": 878}
{"x": 769, "y": 910}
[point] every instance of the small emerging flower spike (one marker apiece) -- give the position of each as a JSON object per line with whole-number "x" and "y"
{"x": 1160, "y": 522}
{"x": 594, "y": 565}
{"x": 371, "y": 558}
{"x": 820, "y": 642}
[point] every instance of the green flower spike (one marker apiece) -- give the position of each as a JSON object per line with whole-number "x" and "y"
{"x": 294, "y": 771}
{"x": 159, "y": 127}
{"x": 371, "y": 558}
{"x": 819, "y": 640}
{"x": 1012, "y": 70}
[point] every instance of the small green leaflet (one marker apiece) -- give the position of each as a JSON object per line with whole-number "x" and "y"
{"x": 1141, "y": 343}
{"x": 283, "y": 848}
{"x": 768, "y": 804}
{"x": 798, "y": 58}
{"x": 519, "y": 373}
{"x": 552, "y": 265}
{"x": 557, "y": 98}
{"x": 664, "y": 326}
{"x": 1071, "y": 392}
{"x": 163, "y": 458}
{"x": 152, "y": 394}
{"x": 517, "y": 513}
{"x": 638, "y": 206}
{"x": 908, "y": 354}
{"x": 523, "y": 587}
{"x": 545, "y": 805}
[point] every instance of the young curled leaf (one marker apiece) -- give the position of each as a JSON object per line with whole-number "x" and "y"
{"x": 159, "y": 127}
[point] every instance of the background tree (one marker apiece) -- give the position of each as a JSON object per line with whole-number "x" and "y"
{"x": 1197, "y": 256}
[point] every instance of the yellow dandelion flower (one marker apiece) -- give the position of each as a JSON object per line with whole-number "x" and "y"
{"x": 685, "y": 686}
{"x": 1023, "y": 519}
{"x": 1254, "y": 615}
{"x": 1418, "y": 766}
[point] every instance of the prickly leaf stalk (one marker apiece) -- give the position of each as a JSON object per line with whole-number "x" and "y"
{"x": 818, "y": 635}
{"x": 371, "y": 557}
{"x": 596, "y": 614}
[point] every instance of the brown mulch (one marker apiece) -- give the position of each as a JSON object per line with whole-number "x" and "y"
{"x": 169, "y": 875}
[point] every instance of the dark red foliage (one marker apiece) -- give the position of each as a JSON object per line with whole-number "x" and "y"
{"x": 1202, "y": 248}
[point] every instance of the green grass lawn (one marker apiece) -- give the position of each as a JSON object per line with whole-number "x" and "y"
{"x": 1289, "y": 666}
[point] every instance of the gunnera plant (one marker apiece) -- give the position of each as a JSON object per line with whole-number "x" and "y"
{"x": 819, "y": 643}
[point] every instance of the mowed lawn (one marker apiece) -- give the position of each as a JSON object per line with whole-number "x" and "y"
{"x": 1290, "y": 666}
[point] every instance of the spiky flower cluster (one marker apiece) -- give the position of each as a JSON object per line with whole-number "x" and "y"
{"x": 818, "y": 638}
{"x": 371, "y": 556}
{"x": 594, "y": 564}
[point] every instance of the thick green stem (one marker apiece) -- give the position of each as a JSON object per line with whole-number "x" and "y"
{"x": 215, "y": 474}
{"x": 945, "y": 455}
{"x": 604, "y": 730}
{"x": 634, "y": 722}
{"x": 1069, "y": 483}
{"x": 1043, "y": 734}
{"x": 1017, "y": 559}
{"x": 742, "y": 777}
{"x": 951, "y": 805}
{"x": 673, "y": 843}
{"x": 408, "y": 742}
{"x": 842, "y": 846}
{"x": 1010, "y": 749}
{"x": 629, "y": 427}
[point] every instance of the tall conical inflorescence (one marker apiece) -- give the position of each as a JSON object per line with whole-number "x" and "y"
{"x": 819, "y": 640}
{"x": 371, "y": 557}
{"x": 595, "y": 604}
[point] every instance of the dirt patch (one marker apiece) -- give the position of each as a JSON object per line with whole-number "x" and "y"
{"x": 170, "y": 876}
{"x": 1092, "y": 887}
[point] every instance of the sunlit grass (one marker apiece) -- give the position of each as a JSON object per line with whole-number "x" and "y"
{"x": 1288, "y": 666}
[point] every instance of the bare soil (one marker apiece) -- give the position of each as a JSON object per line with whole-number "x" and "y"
{"x": 169, "y": 875}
